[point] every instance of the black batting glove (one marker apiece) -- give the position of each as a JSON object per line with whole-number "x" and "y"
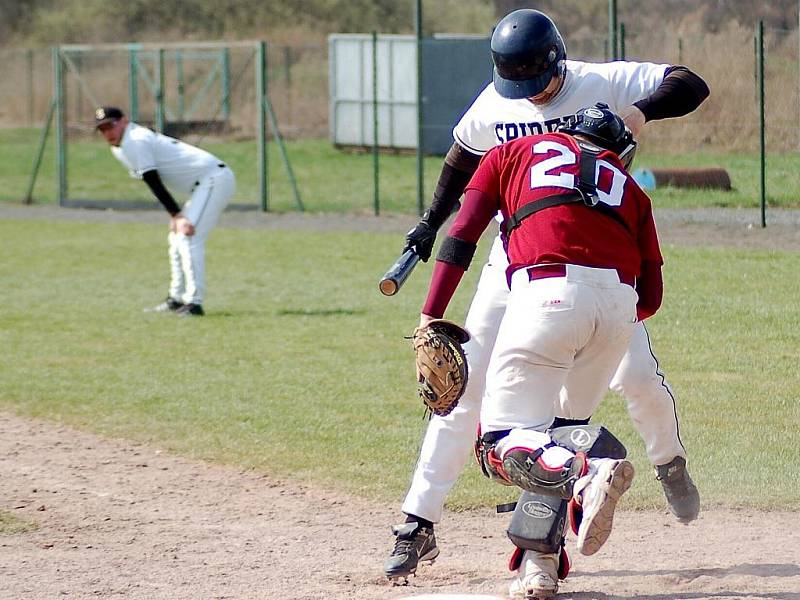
{"x": 420, "y": 239}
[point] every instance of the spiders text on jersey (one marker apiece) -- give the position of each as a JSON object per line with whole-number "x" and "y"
{"x": 505, "y": 132}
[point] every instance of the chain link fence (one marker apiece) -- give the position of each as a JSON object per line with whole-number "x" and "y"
{"x": 723, "y": 130}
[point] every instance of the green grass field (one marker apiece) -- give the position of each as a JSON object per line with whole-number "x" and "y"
{"x": 300, "y": 370}
{"x": 330, "y": 180}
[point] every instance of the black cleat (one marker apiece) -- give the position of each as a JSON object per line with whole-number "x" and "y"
{"x": 190, "y": 310}
{"x": 682, "y": 495}
{"x": 414, "y": 544}
{"x": 168, "y": 305}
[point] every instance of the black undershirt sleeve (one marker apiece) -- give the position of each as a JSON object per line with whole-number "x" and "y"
{"x": 153, "y": 181}
{"x": 681, "y": 92}
{"x": 459, "y": 166}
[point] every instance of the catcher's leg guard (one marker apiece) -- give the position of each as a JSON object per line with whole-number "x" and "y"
{"x": 596, "y": 441}
{"x": 537, "y": 530}
{"x": 491, "y": 466}
{"x": 525, "y": 469}
{"x": 538, "y": 523}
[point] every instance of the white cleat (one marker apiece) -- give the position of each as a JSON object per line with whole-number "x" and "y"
{"x": 598, "y": 501}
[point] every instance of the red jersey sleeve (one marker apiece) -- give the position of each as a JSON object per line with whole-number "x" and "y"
{"x": 650, "y": 287}
{"x": 649, "y": 284}
{"x": 649, "y": 247}
{"x": 470, "y": 223}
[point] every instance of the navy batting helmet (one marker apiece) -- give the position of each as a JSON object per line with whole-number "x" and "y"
{"x": 527, "y": 51}
{"x": 605, "y": 128}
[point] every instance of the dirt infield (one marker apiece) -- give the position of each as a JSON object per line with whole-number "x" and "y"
{"x": 124, "y": 520}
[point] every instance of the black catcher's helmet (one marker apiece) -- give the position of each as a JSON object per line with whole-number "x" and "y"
{"x": 527, "y": 51}
{"x": 604, "y": 128}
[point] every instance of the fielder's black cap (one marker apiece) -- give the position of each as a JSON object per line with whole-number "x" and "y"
{"x": 107, "y": 114}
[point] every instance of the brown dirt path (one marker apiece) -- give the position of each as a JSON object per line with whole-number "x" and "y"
{"x": 124, "y": 520}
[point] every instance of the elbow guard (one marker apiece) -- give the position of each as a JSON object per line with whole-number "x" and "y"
{"x": 457, "y": 252}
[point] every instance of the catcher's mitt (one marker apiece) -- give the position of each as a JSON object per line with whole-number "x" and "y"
{"x": 441, "y": 364}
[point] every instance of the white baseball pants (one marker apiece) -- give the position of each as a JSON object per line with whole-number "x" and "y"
{"x": 449, "y": 440}
{"x": 187, "y": 253}
{"x": 560, "y": 337}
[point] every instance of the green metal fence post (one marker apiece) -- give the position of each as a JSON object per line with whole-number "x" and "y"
{"x": 261, "y": 103}
{"x": 761, "y": 122}
{"x": 287, "y": 63}
{"x": 61, "y": 162}
{"x": 160, "y": 91}
{"x": 29, "y": 82}
{"x": 133, "y": 83}
{"x": 181, "y": 83}
{"x": 622, "y": 41}
{"x": 276, "y": 134}
{"x": 680, "y": 50}
{"x": 78, "y": 62}
{"x": 612, "y": 28}
{"x": 375, "y": 161}
{"x": 37, "y": 161}
{"x": 225, "y": 83}
{"x": 420, "y": 137}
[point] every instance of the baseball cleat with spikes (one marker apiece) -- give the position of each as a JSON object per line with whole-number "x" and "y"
{"x": 681, "y": 492}
{"x": 414, "y": 544}
{"x": 598, "y": 501}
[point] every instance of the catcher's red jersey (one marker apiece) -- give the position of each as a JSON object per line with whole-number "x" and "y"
{"x": 531, "y": 168}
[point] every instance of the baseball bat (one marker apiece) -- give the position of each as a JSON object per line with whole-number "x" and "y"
{"x": 397, "y": 274}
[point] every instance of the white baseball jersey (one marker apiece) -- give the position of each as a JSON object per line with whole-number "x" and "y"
{"x": 180, "y": 165}
{"x": 493, "y": 120}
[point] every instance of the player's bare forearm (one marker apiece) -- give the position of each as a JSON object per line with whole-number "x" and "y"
{"x": 425, "y": 319}
{"x": 634, "y": 119}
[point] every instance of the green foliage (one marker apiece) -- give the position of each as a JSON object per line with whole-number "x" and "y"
{"x": 300, "y": 368}
{"x": 49, "y": 22}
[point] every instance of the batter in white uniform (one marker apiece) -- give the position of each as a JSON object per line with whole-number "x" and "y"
{"x": 535, "y": 88}
{"x": 164, "y": 162}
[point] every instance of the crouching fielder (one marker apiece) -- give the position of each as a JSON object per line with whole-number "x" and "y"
{"x": 585, "y": 265}
{"x": 163, "y": 161}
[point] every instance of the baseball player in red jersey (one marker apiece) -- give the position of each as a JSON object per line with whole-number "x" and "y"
{"x": 584, "y": 266}
{"x": 535, "y": 89}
